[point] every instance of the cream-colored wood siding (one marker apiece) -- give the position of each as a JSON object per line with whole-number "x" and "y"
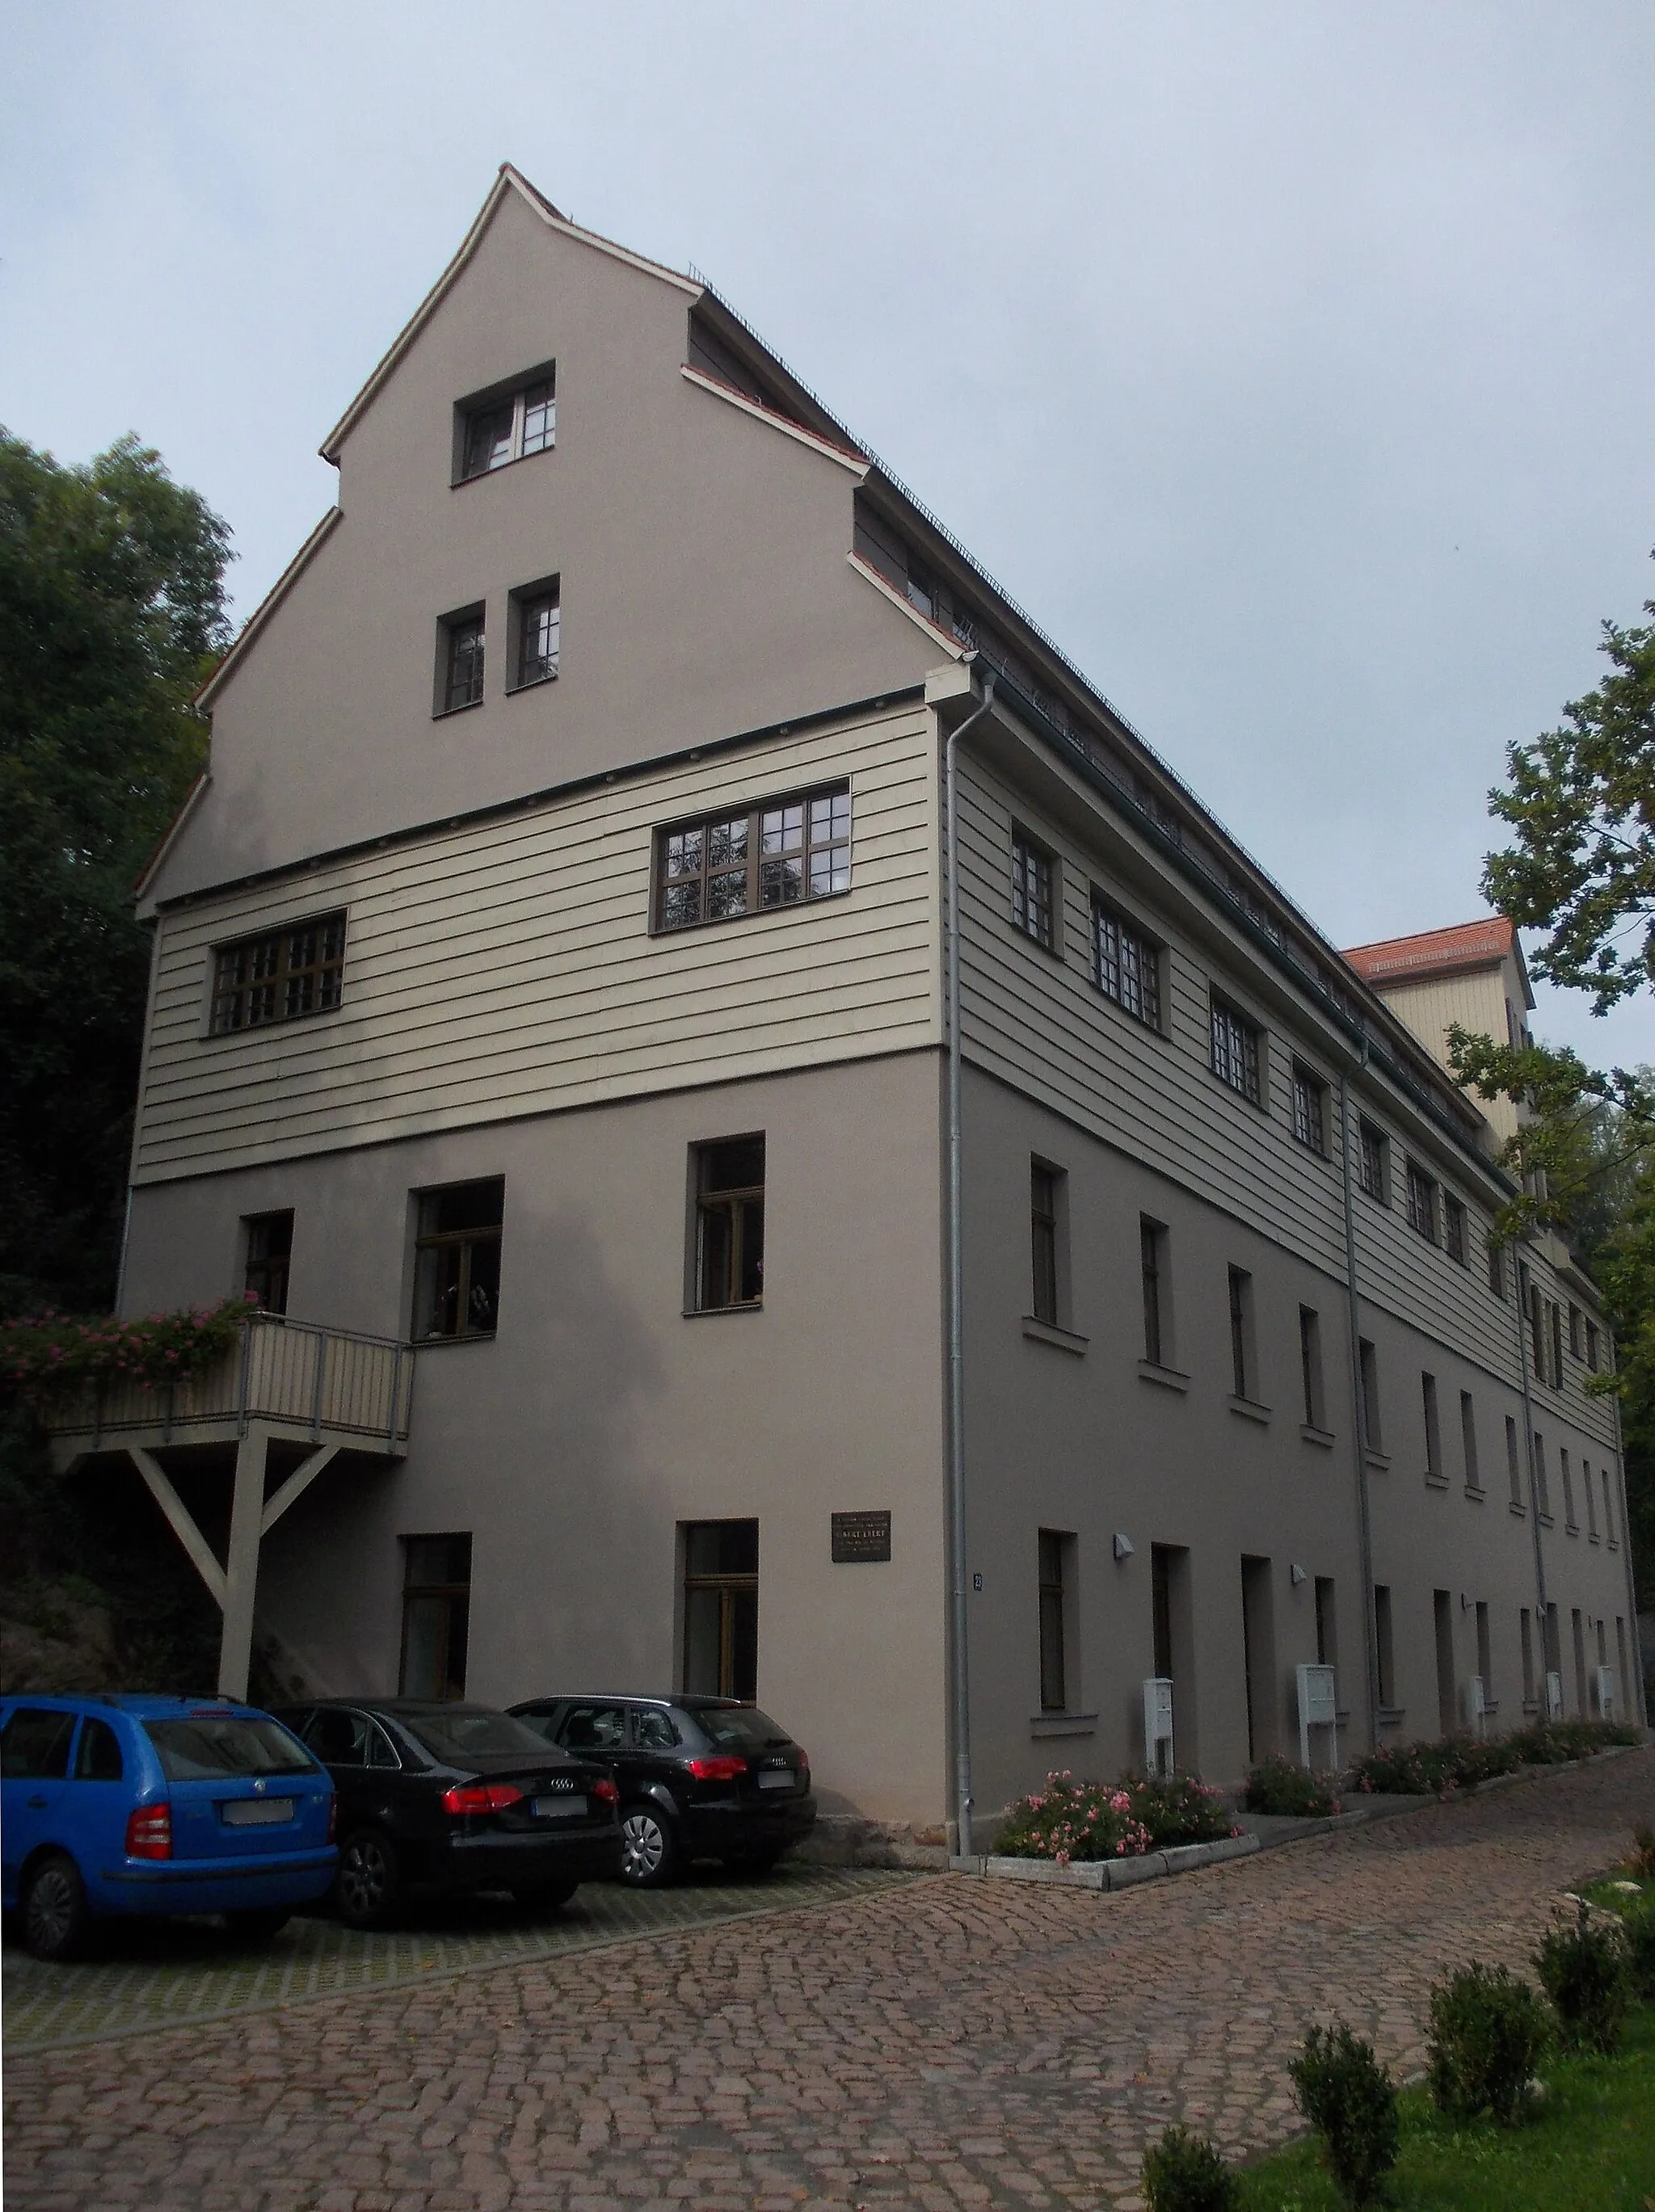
{"x": 1037, "y": 1020}
{"x": 506, "y": 967}
{"x": 1478, "y": 1003}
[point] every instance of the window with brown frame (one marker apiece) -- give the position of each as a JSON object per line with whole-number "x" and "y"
{"x": 1371, "y": 1162}
{"x": 297, "y": 971}
{"x": 720, "y": 1609}
{"x": 270, "y": 1253}
{"x": 1454, "y": 1242}
{"x": 436, "y": 1605}
{"x": 457, "y": 1259}
{"x": 1031, "y": 882}
{"x": 1309, "y": 1110}
{"x": 729, "y": 1246}
{"x": 1125, "y": 965}
{"x": 1421, "y": 1202}
{"x": 755, "y": 860}
{"x": 1496, "y": 1257}
{"x": 1235, "y": 1042}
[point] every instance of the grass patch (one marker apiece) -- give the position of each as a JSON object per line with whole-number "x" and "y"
{"x": 1591, "y": 2149}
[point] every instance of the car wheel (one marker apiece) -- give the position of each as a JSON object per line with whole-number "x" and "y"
{"x": 545, "y": 1896}
{"x": 258, "y": 1926}
{"x": 369, "y": 1884}
{"x": 57, "y": 1918}
{"x": 649, "y": 1849}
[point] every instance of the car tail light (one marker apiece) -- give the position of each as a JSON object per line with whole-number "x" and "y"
{"x": 605, "y": 1792}
{"x": 480, "y": 1797}
{"x": 149, "y": 1832}
{"x": 722, "y": 1769}
{"x": 804, "y": 1762}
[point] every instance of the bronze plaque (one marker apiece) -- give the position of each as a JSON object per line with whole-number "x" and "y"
{"x": 859, "y": 1536}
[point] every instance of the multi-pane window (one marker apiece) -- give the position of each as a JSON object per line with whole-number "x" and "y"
{"x": 1421, "y": 1202}
{"x": 1496, "y": 1256}
{"x": 1151, "y": 1246}
{"x": 1043, "y": 1225}
{"x": 1126, "y": 966}
{"x": 539, "y": 630}
{"x": 278, "y": 978}
{"x": 720, "y": 1609}
{"x": 269, "y": 1252}
{"x": 1031, "y": 908}
{"x": 1309, "y": 1110}
{"x": 1591, "y": 1346}
{"x": 457, "y": 1259}
{"x": 436, "y": 1605}
{"x": 729, "y": 1249}
{"x": 1053, "y": 1685}
{"x": 1453, "y": 1229}
{"x": 1235, "y": 1051}
{"x": 509, "y": 428}
{"x": 753, "y": 861}
{"x": 1577, "y": 1333}
{"x": 1241, "y": 1329}
{"x": 460, "y": 683}
{"x": 1371, "y": 1162}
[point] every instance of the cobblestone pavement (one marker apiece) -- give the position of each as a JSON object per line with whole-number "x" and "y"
{"x": 948, "y": 2041}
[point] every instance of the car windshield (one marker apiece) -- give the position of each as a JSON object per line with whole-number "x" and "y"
{"x": 455, "y": 1735}
{"x": 214, "y": 1747}
{"x": 739, "y": 1728}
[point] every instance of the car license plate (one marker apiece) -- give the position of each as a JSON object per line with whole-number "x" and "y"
{"x": 257, "y": 1812}
{"x": 783, "y": 1781}
{"x": 556, "y": 1808}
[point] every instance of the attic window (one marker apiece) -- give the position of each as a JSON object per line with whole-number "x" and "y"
{"x": 505, "y": 424}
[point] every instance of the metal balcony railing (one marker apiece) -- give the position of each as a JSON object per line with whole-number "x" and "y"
{"x": 319, "y": 1382}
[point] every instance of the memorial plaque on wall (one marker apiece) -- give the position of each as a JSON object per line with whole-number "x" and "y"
{"x": 859, "y": 1536}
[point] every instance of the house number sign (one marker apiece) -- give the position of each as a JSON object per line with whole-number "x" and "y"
{"x": 861, "y": 1537}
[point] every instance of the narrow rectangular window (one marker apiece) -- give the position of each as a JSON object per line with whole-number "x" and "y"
{"x": 436, "y": 1605}
{"x": 1485, "y": 1655}
{"x": 1513, "y": 1465}
{"x": 1385, "y": 1639}
{"x": 1591, "y": 1346}
{"x": 540, "y": 417}
{"x": 1368, "y": 1373}
{"x": 721, "y": 1609}
{"x": 1309, "y": 1364}
{"x": 1577, "y": 1333}
{"x": 488, "y": 440}
{"x": 462, "y": 646}
{"x": 1242, "y": 1377}
{"x": 270, "y": 1253}
{"x": 1152, "y": 1249}
{"x": 1053, "y": 1683}
{"x": 1327, "y": 1622}
{"x": 1125, "y": 965}
{"x": 1031, "y": 890}
{"x": 1371, "y": 1162}
{"x": 1496, "y": 1257}
{"x": 754, "y": 861}
{"x": 1526, "y": 1637}
{"x": 1542, "y": 1485}
{"x": 1453, "y": 1231}
{"x": 1235, "y": 1042}
{"x": 1609, "y": 1513}
{"x": 457, "y": 1259}
{"x": 729, "y": 1229}
{"x": 1555, "y": 1377}
{"x": 1469, "y": 1440}
{"x": 1567, "y": 1473}
{"x": 1421, "y": 1202}
{"x": 1309, "y": 1110}
{"x": 1433, "y": 1429}
{"x": 297, "y": 971}
{"x": 1537, "y": 1334}
{"x": 1590, "y": 1487}
{"x": 1044, "y": 1193}
{"x": 537, "y": 618}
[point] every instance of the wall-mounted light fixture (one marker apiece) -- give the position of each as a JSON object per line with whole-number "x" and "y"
{"x": 1124, "y": 1546}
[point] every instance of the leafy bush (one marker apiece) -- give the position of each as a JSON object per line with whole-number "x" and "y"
{"x": 1176, "y": 1808}
{"x": 1276, "y": 1785}
{"x": 1639, "y": 1922}
{"x": 1184, "y": 2173}
{"x": 1411, "y": 1770}
{"x": 1584, "y": 1970}
{"x": 1640, "y": 1859}
{"x": 1488, "y": 2030}
{"x": 1350, "y": 2100}
{"x": 1073, "y": 1821}
{"x": 1433, "y": 1769}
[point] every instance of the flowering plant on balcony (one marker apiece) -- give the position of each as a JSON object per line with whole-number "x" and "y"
{"x": 48, "y": 1353}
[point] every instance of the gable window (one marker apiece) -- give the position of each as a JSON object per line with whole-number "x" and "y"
{"x": 535, "y": 625}
{"x": 1125, "y": 965}
{"x": 1371, "y": 1162}
{"x": 270, "y": 1251}
{"x": 1235, "y": 1051}
{"x": 459, "y": 660}
{"x": 1309, "y": 1110}
{"x": 1032, "y": 874}
{"x": 278, "y": 978}
{"x": 507, "y": 426}
{"x": 753, "y": 861}
{"x": 457, "y": 1259}
{"x": 1453, "y": 1229}
{"x": 729, "y": 1246}
{"x": 1421, "y": 1202}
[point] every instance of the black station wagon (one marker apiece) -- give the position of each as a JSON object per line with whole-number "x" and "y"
{"x": 700, "y": 1778}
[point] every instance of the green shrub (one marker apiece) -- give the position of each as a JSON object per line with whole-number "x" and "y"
{"x": 1350, "y": 2099}
{"x": 1410, "y": 1770}
{"x": 1176, "y": 1808}
{"x": 1488, "y": 2030}
{"x": 1458, "y": 1762}
{"x": 1276, "y": 1785}
{"x": 1070, "y": 1820}
{"x": 1642, "y": 1858}
{"x": 1639, "y": 1921}
{"x": 1583, "y": 1970}
{"x": 1184, "y": 2173}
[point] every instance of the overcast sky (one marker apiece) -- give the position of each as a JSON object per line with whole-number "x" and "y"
{"x": 1291, "y": 364}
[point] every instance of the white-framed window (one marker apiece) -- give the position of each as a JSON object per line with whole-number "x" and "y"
{"x": 506, "y": 425}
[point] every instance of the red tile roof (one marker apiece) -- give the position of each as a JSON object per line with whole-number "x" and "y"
{"x": 1434, "y": 952}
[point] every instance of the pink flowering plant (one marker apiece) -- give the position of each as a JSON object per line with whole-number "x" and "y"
{"x": 1070, "y": 1821}
{"x": 49, "y": 1353}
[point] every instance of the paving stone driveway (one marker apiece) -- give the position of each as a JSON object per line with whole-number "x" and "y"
{"x": 941, "y": 2043}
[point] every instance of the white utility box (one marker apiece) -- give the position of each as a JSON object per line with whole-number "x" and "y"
{"x": 1319, "y": 1708}
{"x": 1606, "y": 1693}
{"x": 1158, "y": 1724}
{"x": 1476, "y": 1705}
{"x": 1554, "y": 1694}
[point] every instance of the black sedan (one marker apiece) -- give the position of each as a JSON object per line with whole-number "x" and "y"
{"x": 700, "y": 1778}
{"x": 451, "y": 1797}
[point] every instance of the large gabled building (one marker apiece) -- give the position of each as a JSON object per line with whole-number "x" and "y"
{"x": 551, "y": 1018}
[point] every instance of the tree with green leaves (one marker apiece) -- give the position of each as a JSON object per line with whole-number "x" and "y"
{"x": 112, "y": 613}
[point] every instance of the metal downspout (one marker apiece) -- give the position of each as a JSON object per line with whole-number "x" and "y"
{"x": 1524, "y": 1291}
{"x": 959, "y": 1622}
{"x": 1357, "y": 1423}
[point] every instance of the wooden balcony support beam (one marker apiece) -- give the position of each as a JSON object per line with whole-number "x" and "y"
{"x": 200, "y": 1551}
{"x": 296, "y": 1484}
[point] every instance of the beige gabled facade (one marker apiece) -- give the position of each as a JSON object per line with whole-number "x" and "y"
{"x": 752, "y": 612}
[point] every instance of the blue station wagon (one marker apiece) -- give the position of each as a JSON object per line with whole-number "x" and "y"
{"x": 121, "y": 1805}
